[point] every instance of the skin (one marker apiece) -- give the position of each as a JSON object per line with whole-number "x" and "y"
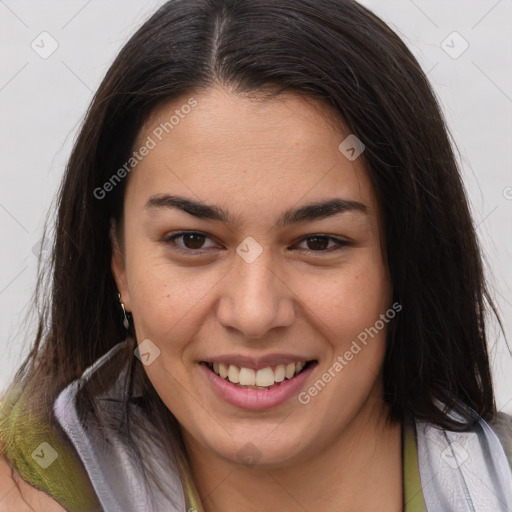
{"x": 257, "y": 159}
{"x": 16, "y": 495}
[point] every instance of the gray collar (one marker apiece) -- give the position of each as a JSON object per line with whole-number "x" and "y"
{"x": 464, "y": 471}
{"x": 98, "y": 439}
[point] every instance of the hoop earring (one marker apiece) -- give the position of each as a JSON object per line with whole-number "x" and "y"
{"x": 126, "y": 322}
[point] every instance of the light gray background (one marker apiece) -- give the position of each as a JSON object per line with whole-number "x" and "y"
{"x": 42, "y": 102}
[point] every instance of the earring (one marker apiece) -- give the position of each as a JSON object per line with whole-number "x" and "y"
{"x": 126, "y": 322}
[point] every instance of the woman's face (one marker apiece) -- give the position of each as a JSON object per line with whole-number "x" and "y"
{"x": 267, "y": 280}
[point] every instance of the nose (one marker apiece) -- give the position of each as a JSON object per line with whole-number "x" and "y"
{"x": 255, "y": 299}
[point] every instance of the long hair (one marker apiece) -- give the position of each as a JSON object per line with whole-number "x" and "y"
{"x": 333, "y": 50}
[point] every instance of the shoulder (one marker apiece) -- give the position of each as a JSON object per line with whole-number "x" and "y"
{"x": 502, "y": 427}
{"x": 16, "y": 495}
{"x": 62, "y": 483}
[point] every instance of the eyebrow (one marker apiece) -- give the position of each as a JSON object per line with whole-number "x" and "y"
{"x": 306, "y": 213}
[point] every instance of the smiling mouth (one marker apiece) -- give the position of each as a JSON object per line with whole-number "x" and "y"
{"x": 263, "y": 379}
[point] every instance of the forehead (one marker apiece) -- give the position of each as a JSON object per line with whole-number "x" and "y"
{"x": 247, "y": 152}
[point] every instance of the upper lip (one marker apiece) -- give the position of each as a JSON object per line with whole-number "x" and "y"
{"x": 257, "y": 363}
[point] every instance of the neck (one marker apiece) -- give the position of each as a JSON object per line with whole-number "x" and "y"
{"x": 361, "y": 469}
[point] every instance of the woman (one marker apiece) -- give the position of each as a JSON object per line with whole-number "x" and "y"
{"x": 266, "y": 288}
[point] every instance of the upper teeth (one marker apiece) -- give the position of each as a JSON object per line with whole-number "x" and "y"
{"x": 263, "y": 378}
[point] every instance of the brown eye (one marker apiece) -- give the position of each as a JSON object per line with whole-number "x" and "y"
{"x": 193, "y": 240}
{"x": 318, "y": 243}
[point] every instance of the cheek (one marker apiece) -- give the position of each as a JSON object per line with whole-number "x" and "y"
{"x": 159, "y": 305}
{"x": 351, "y": 311}
{"x": 166, "y": 299}
{"x": 347, "y": 302}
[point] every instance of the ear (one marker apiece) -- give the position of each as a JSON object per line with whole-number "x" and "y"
{"x": 118, "y": 265}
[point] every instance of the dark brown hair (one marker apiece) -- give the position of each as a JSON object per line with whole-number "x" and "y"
{"x": 333, "y": 50}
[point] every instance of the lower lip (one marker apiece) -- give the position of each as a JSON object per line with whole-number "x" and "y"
{"x": 257, "y": 400}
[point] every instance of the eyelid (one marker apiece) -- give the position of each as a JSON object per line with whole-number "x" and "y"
{"x": 340, "y": 242}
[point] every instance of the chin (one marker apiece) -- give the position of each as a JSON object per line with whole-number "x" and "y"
{"x": 260, "y": 450}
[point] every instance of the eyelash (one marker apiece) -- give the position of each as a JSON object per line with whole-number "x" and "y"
{"x": 171, "y": 238}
